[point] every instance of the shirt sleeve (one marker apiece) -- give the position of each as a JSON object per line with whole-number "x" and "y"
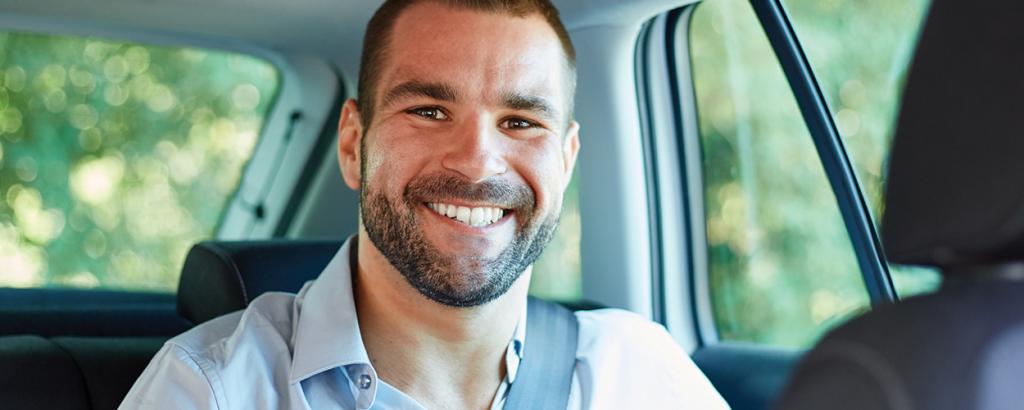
{"x": 174, "y": 379}
{"x": 626, "y": 361}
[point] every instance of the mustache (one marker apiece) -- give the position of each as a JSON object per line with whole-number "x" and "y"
{"x": 497, "y": 191}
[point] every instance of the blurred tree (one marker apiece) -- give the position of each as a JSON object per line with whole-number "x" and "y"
{"x": 116, "y": 156}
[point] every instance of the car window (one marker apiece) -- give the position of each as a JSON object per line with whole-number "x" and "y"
{"x": 781, "y": 267}
{"x": 556, "y": 275}
{"x": 115, "y": 157}
{"x": 860, "y": 51}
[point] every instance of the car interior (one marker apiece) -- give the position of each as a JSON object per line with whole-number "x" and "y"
{"x": 165, "y": 163}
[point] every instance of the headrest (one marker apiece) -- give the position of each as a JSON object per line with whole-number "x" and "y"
{"x": 955, "y": 196}
{"x": 222, "y": 277}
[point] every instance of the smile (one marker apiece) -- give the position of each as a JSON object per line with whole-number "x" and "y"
{"x": 475, "y": 217}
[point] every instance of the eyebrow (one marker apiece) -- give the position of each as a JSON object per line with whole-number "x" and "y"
{"x": 437, "y": 91}
{"x": 539, "y": 105}
{"x": 444, "y": 92}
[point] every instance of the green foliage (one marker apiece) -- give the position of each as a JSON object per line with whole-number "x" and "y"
{"x": 782, "y": 268}
{"x": 115, "y": 157}
{"x": 860, "y": 52}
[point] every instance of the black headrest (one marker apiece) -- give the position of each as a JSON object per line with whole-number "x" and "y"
{"x": 955, "y": 196}
{"x": 222, "y": 277}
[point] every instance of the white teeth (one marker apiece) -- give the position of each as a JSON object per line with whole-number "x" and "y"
{"x": 463, "y": 215}
{"x": 479, "y": 216}
{"x": 476, "y": 217}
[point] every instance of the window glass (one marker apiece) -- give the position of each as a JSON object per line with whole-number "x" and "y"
{"x": 860, "y": 51}
{"x": 782, "y": 270}
{"x": 116, "y": 157}
{"x": 556, "y": 275}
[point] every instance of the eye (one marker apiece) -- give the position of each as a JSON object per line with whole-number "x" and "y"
{"x": 518, "y": 124}
{"x": 430, "y": 113}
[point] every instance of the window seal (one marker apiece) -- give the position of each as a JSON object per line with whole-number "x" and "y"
{"x": 650, "y": 161}
{"x": 684, "y": 100}
{"x": 674, "y": 181}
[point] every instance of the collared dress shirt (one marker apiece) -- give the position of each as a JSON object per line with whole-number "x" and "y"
{"x": 305, "y": 351}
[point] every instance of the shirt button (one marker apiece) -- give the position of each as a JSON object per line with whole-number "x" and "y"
{"x": 364, "y": 381}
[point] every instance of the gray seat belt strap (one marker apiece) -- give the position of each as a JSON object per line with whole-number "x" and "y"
{"x": 545, "y": 372}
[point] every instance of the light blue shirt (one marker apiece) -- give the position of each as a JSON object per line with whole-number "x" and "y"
{"x": 305, "y": 351}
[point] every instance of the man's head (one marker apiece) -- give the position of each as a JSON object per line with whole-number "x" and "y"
{"x": 462, "y": 141}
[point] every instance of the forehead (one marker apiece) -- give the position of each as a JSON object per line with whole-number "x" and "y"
{"x": 479, "y": 54}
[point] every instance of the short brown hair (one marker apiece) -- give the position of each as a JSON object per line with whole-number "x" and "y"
{"x": 378, "y": 33}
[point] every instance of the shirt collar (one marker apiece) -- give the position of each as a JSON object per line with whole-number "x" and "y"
{"x": 327, "y": 333}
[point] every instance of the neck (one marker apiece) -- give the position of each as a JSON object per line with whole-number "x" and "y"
{"x": 443, "y": 356}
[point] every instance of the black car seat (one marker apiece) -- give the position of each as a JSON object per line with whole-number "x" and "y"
{"x": 955, "y": 201}
{"x": 89, "y": 359}
{"x": 221, "y": 277}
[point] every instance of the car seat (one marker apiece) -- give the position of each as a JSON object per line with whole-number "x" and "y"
{"x": 955, "y": 201}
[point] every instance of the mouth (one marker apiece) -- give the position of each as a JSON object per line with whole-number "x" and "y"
{"x": 477, "y": 217}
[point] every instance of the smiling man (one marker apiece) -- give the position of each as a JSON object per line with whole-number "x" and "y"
{"x": 461, "y": 144}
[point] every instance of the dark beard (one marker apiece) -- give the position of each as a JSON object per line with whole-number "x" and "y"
{"x": 458, "y": 281}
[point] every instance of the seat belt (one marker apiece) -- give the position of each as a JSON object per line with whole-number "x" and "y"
{"x": 545, "y": 372}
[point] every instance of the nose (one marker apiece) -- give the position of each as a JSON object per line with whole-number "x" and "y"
{"x": 475, "y": 152}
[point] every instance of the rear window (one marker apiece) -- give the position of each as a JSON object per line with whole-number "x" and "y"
{"x": 115, "y": 157}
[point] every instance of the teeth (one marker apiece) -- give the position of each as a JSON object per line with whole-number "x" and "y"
{"x": 476, "y": 218}
{"x": 463, "y": 215}
{"x": 480, "y": 216}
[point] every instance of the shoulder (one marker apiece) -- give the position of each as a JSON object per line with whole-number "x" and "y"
{"x": 174, "y": 378}
{"x": 269, "y": 316}
{"x": 626, "y": 359}
{"x": 196, "y": 368}
{"x": 623, "y": 330}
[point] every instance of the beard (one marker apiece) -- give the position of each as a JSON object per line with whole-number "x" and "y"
{"x": 455, "y": 280}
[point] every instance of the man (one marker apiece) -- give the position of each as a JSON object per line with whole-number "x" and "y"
{"x": 461, "y": 144}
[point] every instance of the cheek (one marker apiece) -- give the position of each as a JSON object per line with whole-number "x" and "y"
{"x": 392, "y": 160}
{"x": 542, "y": 168}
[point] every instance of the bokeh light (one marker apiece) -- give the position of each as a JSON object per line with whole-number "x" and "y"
{"x": 115, "y": 157}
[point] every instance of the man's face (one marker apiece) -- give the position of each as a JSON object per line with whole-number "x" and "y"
{"x": 469, "y": 150}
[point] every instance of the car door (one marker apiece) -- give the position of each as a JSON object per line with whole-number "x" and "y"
{"x": 766, "y": 180}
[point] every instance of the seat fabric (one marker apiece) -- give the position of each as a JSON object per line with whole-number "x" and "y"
{"x": 109, "y": 365}
{"x": 36, "y": 373}
{"x": 928, "y": 352}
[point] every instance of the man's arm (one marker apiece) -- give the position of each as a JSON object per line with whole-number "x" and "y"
{"x": 174, "y": 379}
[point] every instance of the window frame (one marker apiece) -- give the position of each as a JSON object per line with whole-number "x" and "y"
{"x": 666, "y": 41}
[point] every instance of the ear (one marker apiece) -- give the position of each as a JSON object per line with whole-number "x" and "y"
{"x": 570, "y": 149}
{"x": 350, "y": 136}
